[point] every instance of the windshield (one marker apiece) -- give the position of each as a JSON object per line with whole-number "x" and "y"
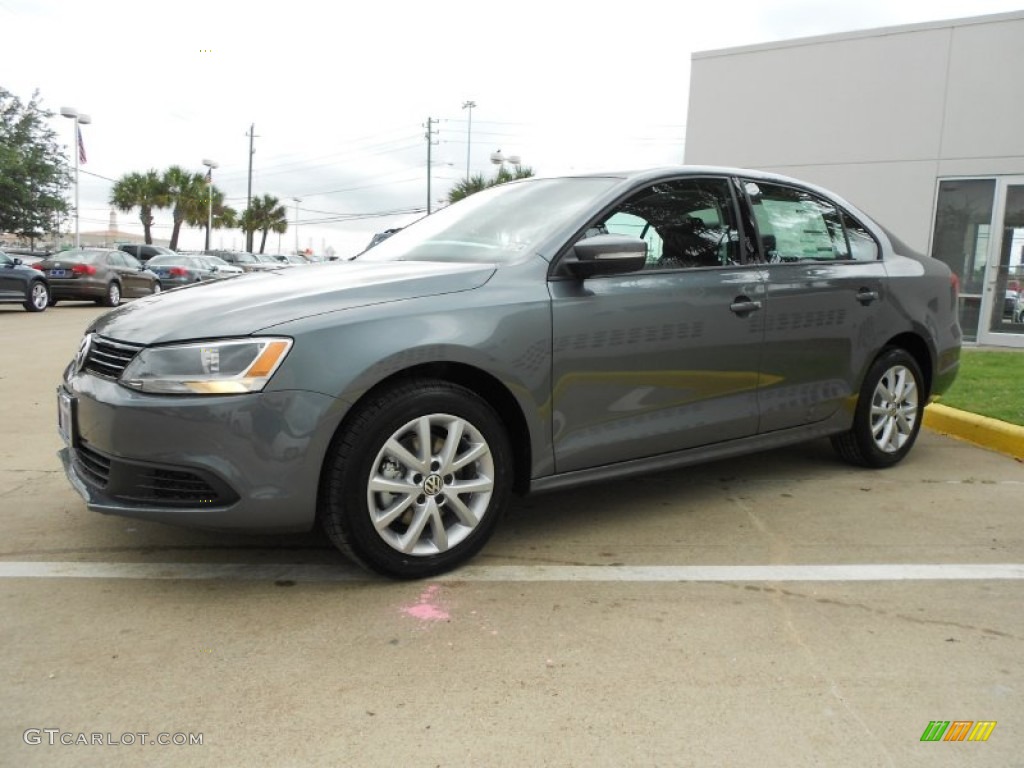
{"x": 498, "y": 225}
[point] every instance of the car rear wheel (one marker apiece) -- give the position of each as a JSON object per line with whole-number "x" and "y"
{"x": 38, "y": 297}
{"x": 418, "y": 480}
{"x": 113, "y": 297}
{"x": 888, "y": 415}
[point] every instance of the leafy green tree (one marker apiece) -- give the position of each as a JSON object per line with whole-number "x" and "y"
{"x": 265, "y": 214}
{"x": 145, "y": 191}
{"x": 479, "y": 182}
{"x": 34, "y": 174}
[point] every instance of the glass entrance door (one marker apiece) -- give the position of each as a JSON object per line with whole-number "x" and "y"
{"x": 963, "y": 224}
{"x": 1002, "y": 302}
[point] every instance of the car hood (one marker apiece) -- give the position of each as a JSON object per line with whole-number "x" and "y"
{"x": 260, "y": 300}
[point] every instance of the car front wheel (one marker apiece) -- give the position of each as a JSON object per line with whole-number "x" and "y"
{"x": 888, "y": 415}
{"x": 418, "y": 480}
{"x": 38, "y": 297}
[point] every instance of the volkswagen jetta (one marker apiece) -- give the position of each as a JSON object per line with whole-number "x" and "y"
{"x": 537, "y": 335}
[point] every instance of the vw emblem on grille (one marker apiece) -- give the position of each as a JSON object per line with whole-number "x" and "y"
{"x": 433, "y": 485}
{"x": 83, "y": 352}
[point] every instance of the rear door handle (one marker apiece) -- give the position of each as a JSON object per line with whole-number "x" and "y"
{"x": 744, "y": 306}
{"x": 865, "y": 296}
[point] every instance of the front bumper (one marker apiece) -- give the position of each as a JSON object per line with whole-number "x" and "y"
{"x": 240, "y": 462}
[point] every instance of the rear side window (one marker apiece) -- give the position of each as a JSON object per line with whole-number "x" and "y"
{"x": 795, "y": 225}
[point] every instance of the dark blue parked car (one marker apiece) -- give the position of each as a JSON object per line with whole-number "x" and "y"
{"x": 22, "y": 284}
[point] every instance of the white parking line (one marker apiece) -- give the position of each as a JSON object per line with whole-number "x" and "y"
{"x": 516, "y": 573}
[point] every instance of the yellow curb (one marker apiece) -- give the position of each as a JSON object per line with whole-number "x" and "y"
{"x": 980, "y": 430}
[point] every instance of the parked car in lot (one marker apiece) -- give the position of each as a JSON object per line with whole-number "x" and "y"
{"x": 103, "y": 275}
{"x": 180, "y": 269}
{"x": 144, "y": 252}
{"x": 220, "y": 267}
{"x": 21, "y": 284}
{"x": 248, "y": 262}
{"x": 536, "y": 335}
{"x": 289, "y": 259}
{"x": 1013, "y": 306}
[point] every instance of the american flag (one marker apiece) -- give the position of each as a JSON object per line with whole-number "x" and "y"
{"x": 81, "y": 146}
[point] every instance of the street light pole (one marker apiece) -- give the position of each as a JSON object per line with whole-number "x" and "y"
{"x": 210, "y": 164}
{"x": 469, "y": 133}
{"x": 297, "y": 201}
{"x": 79, "y": 119}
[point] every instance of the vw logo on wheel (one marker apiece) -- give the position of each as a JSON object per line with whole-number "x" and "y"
{"x": 433, "y": 485}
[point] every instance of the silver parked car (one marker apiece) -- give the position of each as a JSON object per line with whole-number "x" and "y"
{"x": 534, "y": 336}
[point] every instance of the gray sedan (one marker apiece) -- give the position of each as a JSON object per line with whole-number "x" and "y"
{"x": 534, "y": 336}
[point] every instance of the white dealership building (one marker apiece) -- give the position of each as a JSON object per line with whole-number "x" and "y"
{"x": 921, "y": 126}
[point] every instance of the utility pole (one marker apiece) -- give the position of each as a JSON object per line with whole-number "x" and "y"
{"x": 248, "y": 195}
{"x": 469, "y": 133}
{"x": 430, "y": 143}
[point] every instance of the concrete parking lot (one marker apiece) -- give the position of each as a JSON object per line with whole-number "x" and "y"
{"x": 695, "y": 617}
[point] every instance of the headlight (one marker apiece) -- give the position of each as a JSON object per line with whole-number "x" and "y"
{"x": 207, "y": 368}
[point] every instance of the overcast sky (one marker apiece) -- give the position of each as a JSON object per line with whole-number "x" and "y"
{"x": 340, "y": 92}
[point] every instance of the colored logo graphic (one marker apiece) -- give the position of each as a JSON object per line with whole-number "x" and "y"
{"x": 958, "y": 730}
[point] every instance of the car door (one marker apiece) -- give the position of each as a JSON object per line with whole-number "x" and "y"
{"x": 825, "y": 286}
{"x": 136, "y": 276}
{"x": 665, "y": 358}
{"x": 12, "y": 280}
{"x": 117, "y": 265}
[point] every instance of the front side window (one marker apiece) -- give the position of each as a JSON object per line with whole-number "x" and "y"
{"x": 687, "y": 223}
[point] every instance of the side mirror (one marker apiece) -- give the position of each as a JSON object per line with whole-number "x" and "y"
{"x": 16, "y": 261}
{"x": 606, "y": 255}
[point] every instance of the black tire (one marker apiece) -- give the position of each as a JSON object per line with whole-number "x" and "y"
{"x": 113, "y": 296}
{"x": 441, "y": 527}
{"x": 38, "y": 297}
{"x": 889, "y": 412}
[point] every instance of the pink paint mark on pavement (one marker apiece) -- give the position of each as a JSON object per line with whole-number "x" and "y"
{"x": 427, "y": 608}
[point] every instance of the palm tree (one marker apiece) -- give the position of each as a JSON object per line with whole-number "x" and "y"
{"x": 265, "y": 214}
{"x": 145, "y": 191}
{"x": 479, "y": 182}
{"x": 224, "y": 216}
{"x": 187, "y": 192}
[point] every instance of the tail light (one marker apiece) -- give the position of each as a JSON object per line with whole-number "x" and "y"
{"x": 178, "y": 272}
{"x": 954, "y": 284}
{"x": 83, "y": 269}
{"x": 38, "y": 266}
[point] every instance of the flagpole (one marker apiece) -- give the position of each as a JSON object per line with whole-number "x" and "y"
{"x": 79, "y": 119}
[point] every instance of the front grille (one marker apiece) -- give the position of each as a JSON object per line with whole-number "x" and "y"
{"x": 93, "y": 466}
{"x": 173, "y": 485}
{"x": 109, "y": 358}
